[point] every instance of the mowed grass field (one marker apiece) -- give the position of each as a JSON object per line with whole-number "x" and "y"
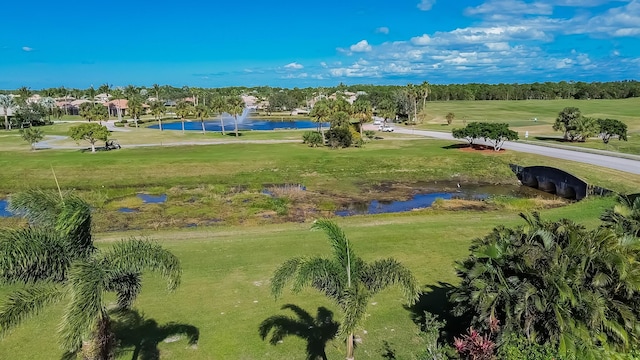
{"x": 225, "y": 289}
{"x": 520, "y": 116}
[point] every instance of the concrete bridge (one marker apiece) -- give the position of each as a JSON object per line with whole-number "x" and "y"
{"x": 556, "y": 181}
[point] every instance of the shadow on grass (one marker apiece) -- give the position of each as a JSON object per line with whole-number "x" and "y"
{"x": 435, "y": 299}
{"x": 317, "y": 332}
{"x": 551, "y": 138}
{"x": 456, "y": 146}
{"x": 133, "y": 330}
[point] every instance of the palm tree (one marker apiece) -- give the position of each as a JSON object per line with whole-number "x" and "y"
{"x": 316, "y": 331}
{"x": 183, "y": 109}
{"x": 219, "y": 105}
{"x": 624, "y": 217}
{"x": 157, "y": 109}
{"x": 557, "y": 283}
{"x": 54, "y": 258}
{"x": 235, "y": 107}
{"x": 49, "y": 104}
{"x": 24, "y": 93}
{"x": 345, "y": 278}
{"x": 156, "y": 89}
{"x": 6, "y": 103}
{"x": 362, "y": 111}
{"x": 135, "y": 108}
{"x": 320, "y": 114}
{"x": 201, "y": 112}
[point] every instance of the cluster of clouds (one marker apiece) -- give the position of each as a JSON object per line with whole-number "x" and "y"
{"x": 510, "y": 40}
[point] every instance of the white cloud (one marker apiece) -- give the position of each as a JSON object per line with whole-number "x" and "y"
{"x": 294, "y": 66}
{"x": 361, "y": 46}
{"x": 501, "y": 7}
{"x": 421, "y": 40}
{"x": 497, "y": 46}
{"x": 382, "y": 30}
{"x": 27, "y": 49}
{"x": 426, "y": 5}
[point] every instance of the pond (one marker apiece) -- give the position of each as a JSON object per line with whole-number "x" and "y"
{"x": 257, "y": 124}
{"x": 3, "y": 208}
{"x": 425, "y": 199}
{"x": 152, "y": 199}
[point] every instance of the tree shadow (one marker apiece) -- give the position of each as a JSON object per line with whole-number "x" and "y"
{"x": 133, "y": 330}
{"x": 456, "y": 146}
{"x": 435, "y": 299}
{"x": 317, "y": 332}
{"x": 551, "y": 138}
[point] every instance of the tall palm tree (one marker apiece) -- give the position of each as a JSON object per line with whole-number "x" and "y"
{"x": 235, "y": 107}
{"x": 157, "y": 109}
{"x": 24, "y": 93}
{"x": 362, "y": 111}
{"x": 49, "y": 104}
{"x": 6, "y": 103}
{"x": 54, "y": 258}
{"x": 135, "y": 108}
{"x": 219, "y": 105}
{"x": 320, "y": 114}
{"x": 183, "y": 109}
{"x": 156, "y": 89}
{"x": 201, "y": 112}
{"x": 345, "y": 278}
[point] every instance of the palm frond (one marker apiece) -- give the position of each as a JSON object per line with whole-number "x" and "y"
{"x": 339, "y": 242}
{"x": 384, "y": 273}
{"x": 323, "y": 274}
{"x": 283, "y": 274}
{"x": 353, "y": 301}
{"x": 40, "y": 207}
{"x": 27, "y": 302}
{"x": 126, "y": 285}
{"x": 136, "y": 256}
{"x": 86, "y": 307}
{"x": 33, "y": 254}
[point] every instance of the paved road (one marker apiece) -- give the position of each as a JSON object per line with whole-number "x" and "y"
{"x": 617, "y": 163}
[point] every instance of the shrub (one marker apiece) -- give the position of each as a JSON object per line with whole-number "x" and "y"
{"x": 370, "y": 134}
{"x": 516, "y": 347}
{"x": 312, "y": 138}
{"x": 339, "y": 137}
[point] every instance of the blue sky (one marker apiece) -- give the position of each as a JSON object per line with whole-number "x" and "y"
{"x": 321, "y": 43}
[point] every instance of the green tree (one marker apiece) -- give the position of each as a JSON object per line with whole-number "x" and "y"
{"x": 609, "y": 128}
{"x": 218, "y": 106}
{"x": 345, "y": 279}
{"x": 85, "y": 110}
{"x": 135, "y": 108}
{"x": 32, "y": 135}
{"x": 90, "y": 132}
{"x": 48, "y": 103}
{"x": 554, "y": 282}
{"x": 450, "y": 116}
{"x": 6, "y": 103}
{"x": 158, "y": 109}
{"x": 24, "y": 93}
{"x": 183, "y": 109}
{"x": 566, "y": 121}
{"x": 321, "y": 114}
{"x": 55, "y": 261}
{"x": 362, "y": 111}
{"x": 387, "y": 110}
{"x": 624, "y": 217}
{"x": 201, "y": 112}
{"x": 235, "y": 107}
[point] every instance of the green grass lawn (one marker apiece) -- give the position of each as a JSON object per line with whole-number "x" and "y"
{"x": 520, "y": 116}
{"x": 225, "y": 289}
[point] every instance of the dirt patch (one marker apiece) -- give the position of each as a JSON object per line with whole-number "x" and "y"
{"x": 481, "y": 149}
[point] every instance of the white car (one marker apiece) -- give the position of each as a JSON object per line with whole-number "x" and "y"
{"x": 385, "y": 128}
{"x": 377, "y": 122}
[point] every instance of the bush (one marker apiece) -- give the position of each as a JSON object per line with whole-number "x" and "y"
{"x": 370, "y": 134}
{"x": 516, "y": 347}
{"x": 339, "y": 137}
{"x": 313, "y": 138}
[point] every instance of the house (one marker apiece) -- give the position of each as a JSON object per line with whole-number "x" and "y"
{"x": 117, "y": 107}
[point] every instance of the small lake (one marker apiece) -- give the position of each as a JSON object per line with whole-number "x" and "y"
{"x": 426, "y": 199}
{"x": 3, "y": 208}
{"x": 213, "y": 125}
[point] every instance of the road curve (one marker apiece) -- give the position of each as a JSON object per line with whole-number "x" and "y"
{"x": 611, "y": 162}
